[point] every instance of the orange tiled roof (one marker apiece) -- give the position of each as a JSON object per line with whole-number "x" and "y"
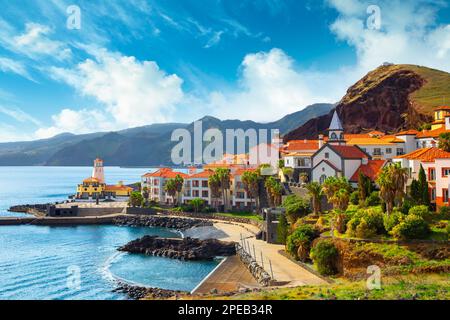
{"x": 442, "y": 108}
{"x": 202, "y": 175}
{"x": 91, "y": 180}
{"x": 301, "y": 145}
{"x": 165, "y": 173}
{"x": 431, "y": 133}
{"x": 349, "y": 152}
{"x": 240, "y": 172}
{"x": 370, "y": 170}
{"x": 426, "y": 154}
{"x": 407, "y": 132}
{"x": 118, "y": 188}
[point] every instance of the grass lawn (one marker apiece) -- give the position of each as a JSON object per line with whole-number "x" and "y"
{"x": 246, "y": 215}
{"x": 423, "y": 287}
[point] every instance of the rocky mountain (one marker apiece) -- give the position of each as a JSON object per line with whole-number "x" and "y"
{"x": 389, "y": 98}
{"x": 143, "y": 146}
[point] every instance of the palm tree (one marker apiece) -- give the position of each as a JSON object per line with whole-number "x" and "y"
{"x": 250, "y": 181}
{"x": 274, "y": 191}
{"x": 145, "y": 194}
{"x": 214, "y": 186}
{"x": 171, "y": 188}
{"x": 392, "y": 181}
{"x": 315, "y": 192}
{"x": 341, "y": 199}
{"x": 332, "y": 186}
{"x": 197, "y": 204}
{"x": 179, "y": 182}
{"x": 225, "y": 183}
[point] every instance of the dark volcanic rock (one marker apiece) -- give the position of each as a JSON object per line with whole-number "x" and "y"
{"x": 161, "y": 221}
{"x": 27, "y": 208}
{"x": 184, "y": 249}
{"x": 136, "y": 293}
{"x": 379, "y": 101}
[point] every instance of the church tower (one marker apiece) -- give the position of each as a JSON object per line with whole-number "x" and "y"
{"x": 336, "y": 131}
{"x": 98, "y": 172}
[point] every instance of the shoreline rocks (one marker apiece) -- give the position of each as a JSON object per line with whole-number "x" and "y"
{"x": 182, "y": 249}
{"x": 160, "y": 221}
{"x": 137, "y": 292}
{"x": 30, "y": 208}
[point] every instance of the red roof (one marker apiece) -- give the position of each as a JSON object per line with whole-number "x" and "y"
{"x": 329, "y": 164}
{"x": 300, "y": 145}
{"x": 165, "y": 173}
{"x": 426, "y": 154}
{"x": 431, "y": 133}
{"x": 442, "y": 108}
{"x": 349, "y": 152}
{"x": 407, "y": 133}
{"x": 370, "y": 170}
{"x": 240, "y": 172}
{"x": 202, "y": 175}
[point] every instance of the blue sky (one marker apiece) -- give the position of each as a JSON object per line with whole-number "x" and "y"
{"x": 138, "y": 62}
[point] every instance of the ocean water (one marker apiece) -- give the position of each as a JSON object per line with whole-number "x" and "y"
{"x": 80, "y": 262}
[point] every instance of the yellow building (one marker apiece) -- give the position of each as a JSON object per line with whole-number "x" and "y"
{"x": 439, "y": 117}
{"x": 94, "y": 187}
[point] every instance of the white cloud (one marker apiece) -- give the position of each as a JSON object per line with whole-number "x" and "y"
{"x": 269, "y": 87}
{"x": 34, "y": 42}
{"x": 9, "y": 65}
{"x": 133, "y": 93}
{"x": 9, "y": 133}
{"x": 76, "y": 121}
{"x": 19, "y": 115}
{"x": 408, "y": 34}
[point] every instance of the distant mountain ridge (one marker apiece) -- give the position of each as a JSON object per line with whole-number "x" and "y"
{"x": 389, "y": 99}
{"x": 142, "y": 146}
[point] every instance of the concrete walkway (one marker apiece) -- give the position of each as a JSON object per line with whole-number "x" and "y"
{"x": 230, "y": 276}
{"x": 284, "y": 270}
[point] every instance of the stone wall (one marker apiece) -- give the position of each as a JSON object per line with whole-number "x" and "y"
{"x": 213, "y": 216}
{"x": 255, "y": 269}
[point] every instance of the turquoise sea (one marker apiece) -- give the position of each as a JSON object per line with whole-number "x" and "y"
{"x": 81, "y": 262}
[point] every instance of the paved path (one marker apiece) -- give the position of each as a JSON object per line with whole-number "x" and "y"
{"x": 284, "y": 270}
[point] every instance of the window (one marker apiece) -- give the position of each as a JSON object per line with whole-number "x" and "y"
{"x": 433, "y": 194}
{"x": 205, "y": 184}
{"x": 195, "y": 183}
{"x": 322, "y": 178}
{"x": 445, "y": 172}
{"x": 431, "y": 174}
{"x": 388, "y": 150}
{"x": 205, "y": 194}
{"x": 195, "y": 193}
{"x": 445, "y": 195}
{"x": 333, "y": 136}
{"x": 377, "y": 152}
{"x": 327, "y": 155}
{"x": 400, "y": 151}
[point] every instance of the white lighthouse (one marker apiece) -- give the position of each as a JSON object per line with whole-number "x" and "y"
{"x": 98, "y": 172}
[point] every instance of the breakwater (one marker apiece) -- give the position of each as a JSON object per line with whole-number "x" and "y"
{"x": 182, "y": 249}
{"x": 160, "y": 221}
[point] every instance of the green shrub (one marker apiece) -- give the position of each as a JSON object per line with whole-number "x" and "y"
{"x": 354, "y": 197}
{"x": 390, "y": 221}
{"x": 444, "y": 213}
{"x": 412, "y": 227}
{"x": 282, "y": 229}
{"x": 407, "y": 204}
{"x": 420, "y": 211}
{"x": 208, "y": 209}
{"x": 364, "y": 231}
{"x": 373, "y": 199}
{"x": 325, "y": 256}
{"x": 300, "y": 241}
{"x": 374, "y": 220}
{"x": 297, "y": 209}
{"x": 352, "y": 225}
{"x": 340, "y": 222}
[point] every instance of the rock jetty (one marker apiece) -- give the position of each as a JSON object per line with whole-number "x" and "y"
{"x": 183, "y": 249}
{"x": 137, "y": 293}
{"x": 161, "y": 221}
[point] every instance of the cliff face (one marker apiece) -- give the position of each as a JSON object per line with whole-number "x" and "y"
{"x": 385, "y": 100}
